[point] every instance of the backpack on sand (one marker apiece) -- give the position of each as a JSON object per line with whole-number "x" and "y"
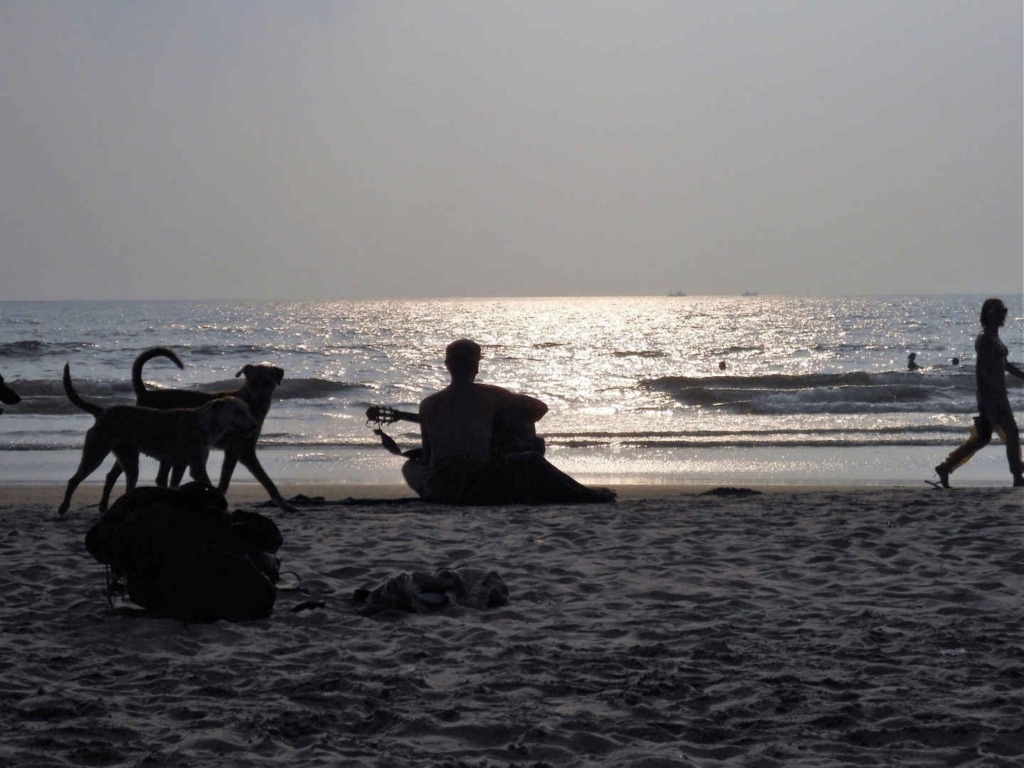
{"x": 179, "y": 553}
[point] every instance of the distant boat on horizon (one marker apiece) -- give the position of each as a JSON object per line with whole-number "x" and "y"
{"x": 677, "y": 293}
{"x": 749, "y": 293}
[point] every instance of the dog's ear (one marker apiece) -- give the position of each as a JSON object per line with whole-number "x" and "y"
{"x": 245, "y": 371}
{"x": 278, "y": 376}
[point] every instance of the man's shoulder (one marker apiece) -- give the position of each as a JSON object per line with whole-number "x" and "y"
{"x": 493, "y": 389}
{"x": 456, "y": 394}
{"x": 431, "y": 401}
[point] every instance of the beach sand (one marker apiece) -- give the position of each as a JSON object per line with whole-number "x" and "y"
{"x": 793, "y": 627}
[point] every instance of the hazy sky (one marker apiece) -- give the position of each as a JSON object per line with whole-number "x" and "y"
{"x": 173, "y": 149}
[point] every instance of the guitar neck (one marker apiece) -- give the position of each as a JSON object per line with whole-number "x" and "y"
{"x": 406, "y": 416}
{"x": 384, "y": 415}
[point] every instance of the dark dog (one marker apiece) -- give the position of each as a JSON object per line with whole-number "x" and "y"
{"x": 260, "y": 383}
{"x": 7, "y": 395}
{"x": 178, "y": 436}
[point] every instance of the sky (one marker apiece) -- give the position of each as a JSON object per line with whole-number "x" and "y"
{"x": 459, "y": 148}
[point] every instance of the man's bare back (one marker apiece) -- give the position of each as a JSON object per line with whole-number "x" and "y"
{"x": 457, "y": 425}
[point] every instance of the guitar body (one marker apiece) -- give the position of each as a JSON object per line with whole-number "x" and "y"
{"x": 514, "y": 432}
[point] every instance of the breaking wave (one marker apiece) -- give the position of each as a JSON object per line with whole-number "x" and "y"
{"x": 823, "y": 393}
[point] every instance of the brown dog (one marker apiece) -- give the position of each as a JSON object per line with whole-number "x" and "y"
{"x": 260, "y": 383}
{"x": 7, "y": 395}
{"x": 178, "y": 436}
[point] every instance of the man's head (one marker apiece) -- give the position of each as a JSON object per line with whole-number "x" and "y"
{"x": 462, "y": 358}
{"x": 993, "y": 313}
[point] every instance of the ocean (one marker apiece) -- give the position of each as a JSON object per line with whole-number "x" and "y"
{"x": 814, "y": 390}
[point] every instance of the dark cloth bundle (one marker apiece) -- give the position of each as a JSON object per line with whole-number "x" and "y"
{"x": 181, "y": 554}
{"x": 420, "y": 592}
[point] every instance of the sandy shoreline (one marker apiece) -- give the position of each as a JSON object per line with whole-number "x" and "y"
{"x": 807, "y": 626}
{"x": 251, "y": 493}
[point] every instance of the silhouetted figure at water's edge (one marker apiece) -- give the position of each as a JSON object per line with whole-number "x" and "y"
{"x": 994, "y": 412}
{"x": 459, "y": 463}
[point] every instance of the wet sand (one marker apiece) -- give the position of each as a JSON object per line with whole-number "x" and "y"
{"x": 796, "y": 626}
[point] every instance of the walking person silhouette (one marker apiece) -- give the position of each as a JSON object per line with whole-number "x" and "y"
{"x": 994, "y": 412}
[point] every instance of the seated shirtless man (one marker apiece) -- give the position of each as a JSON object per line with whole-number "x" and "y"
{"x": 461, "y": 462}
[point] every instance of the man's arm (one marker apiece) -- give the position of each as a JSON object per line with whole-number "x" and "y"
{"x": 1011, "y": 368}
{"x": 426, "y": 419}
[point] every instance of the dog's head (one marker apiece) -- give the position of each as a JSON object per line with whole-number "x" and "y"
{"x": 231, "y": 416}
{"x": 260, "y": 382}
{"x": 7, "y": 395}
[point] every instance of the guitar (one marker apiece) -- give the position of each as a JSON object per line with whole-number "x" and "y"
{"x": 512, "y": 431}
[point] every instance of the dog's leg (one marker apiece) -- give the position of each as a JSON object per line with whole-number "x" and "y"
{"x": 250, "y": 462}
{"x": 108, "y": 486}
{"x": 227, "y": 469}
{"x": 92, "y": 457}
{"x": 129, "y": 461}
{"x": 197, "y": 467}
{"x": 177, "y": 473}
{"x": 161, "y": 474}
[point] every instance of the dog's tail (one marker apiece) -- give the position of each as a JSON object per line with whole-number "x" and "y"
{"x": 137, "y": 383}
{"x": 73, "y": 396}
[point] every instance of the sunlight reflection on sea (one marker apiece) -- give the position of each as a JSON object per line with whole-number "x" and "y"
{"x": 634, "y": 384}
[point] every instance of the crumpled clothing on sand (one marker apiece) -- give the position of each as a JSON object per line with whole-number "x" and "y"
{"x": 420, "y": 592}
